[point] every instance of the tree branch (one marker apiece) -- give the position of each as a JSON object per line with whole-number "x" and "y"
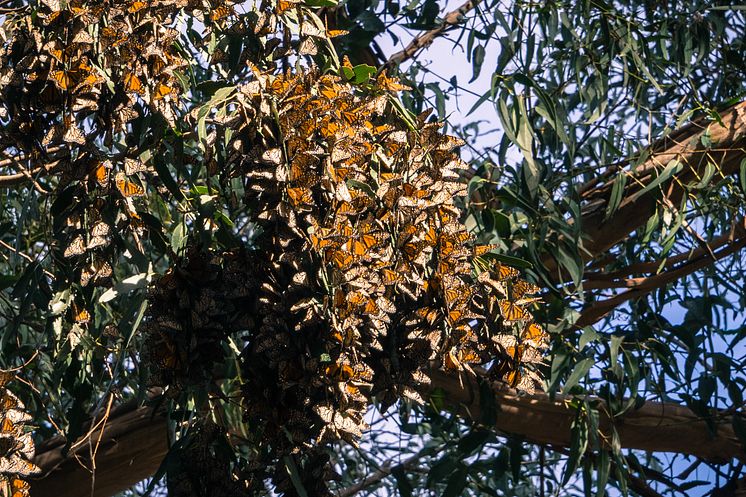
{"x": 684, "y": 145}
{"x": 386, "y": 470}
{"x": 132, "y": 445}
{"x": 134, "y": 441}
{"x": 643, "y": 286}
{"x": 424, "y": 40}
{"x": 655, "y": 427}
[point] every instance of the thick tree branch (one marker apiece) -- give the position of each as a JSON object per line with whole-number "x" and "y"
{"x": 655, "y": 427}
{"x": 134, "y": 439}
{"x": 424, "y": 40}
{"x": 684, "y": 145}
{"x": 132, "y": 445}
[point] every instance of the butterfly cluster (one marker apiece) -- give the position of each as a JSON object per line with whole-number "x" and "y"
{"x": 364, "y": 277}
{"x": 16, "y": 444}
{"x": 193, "y": 309}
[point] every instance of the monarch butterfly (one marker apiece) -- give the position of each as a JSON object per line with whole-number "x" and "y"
{"x": 5, "y": 377}
{"x": 20, "y": 488}
{"x": 522, "y": 287}
{"x": 455, "y": 295}
{"x": 133, "y": 166}
{"x": 451, "y": 361}
{"x": 113, "y": 37}
{"x": 456, "y": 315}
{"x": 80, "y": 315}
{"x": 101, "y": 174}
{"x": 333, "y": 33}
{"x": 54, "y": 5}
{"x": 412, "y": 250}
{"x": 133, "y": 84}
{"x": 162, "y": 91}
{"x": 128, "y": 188}
{"x": 429, "y": 314}
{"x": 98, "y": 271}
{"x": 221, "y": 12}
{"x": 54, "y": 51}
{"x": 283, "y": 6}
{"x": 77, "y": 247}
{"x": 355, "y": 298}
{"x": 320, "y": 243}
{"x": 347, "y": 208}
{"x": 7, "y": 402}
{"x": 82, "y": 36}
{"x": 510, "y": 311}
{"x": 483, "y": 249}
{"x": 7, "y": 426}
{"x": 371, "y": 308}
{"x": 165, "y": 354}
{"x": 342, "y": 259}
{"x": 391, "y": 277}
{"x": 61, "y": 79}
{"x": 390, "y": 84}
{"x": 468, "y": 356}
{"x": 300, "y": 197}
{"x": 339, "y": 372}
{"x": 99, "y": 235}
{"x": 136, "y": 7}
{"x": 506, "y": 272}
{"x": 73, "y": 134}
{"x": 360, "y": 246}
{"x": 533, "y": 334}
{"x": 15, "y": 465}
{"x": 386, "y": 305}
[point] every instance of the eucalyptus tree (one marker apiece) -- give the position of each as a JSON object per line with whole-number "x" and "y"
{"x": 241, "y": 256}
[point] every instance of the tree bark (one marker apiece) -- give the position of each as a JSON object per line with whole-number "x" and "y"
{"x": 132, "y": 446}
{"x": 134, "y": 440}
{"x": 727, "y": 150}
{"x": 654, "y": 427}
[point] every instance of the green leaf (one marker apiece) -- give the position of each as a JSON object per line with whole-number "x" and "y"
{"x": 739, "y": 427}
{"x": 456, "y": 483}
{"x": 179, "y": 238}
{"x": 671, "y": 168}
{"x": 508, "y": 260}
{"x": 321, "y": 3}
{"x": 441, "y": 469}
{"x": 473, "y": 441}
{"x": 292, "y": 470}
{"x": 578, "y": 444}
{"x": 477, "y": 59}
{"x": 617, "y": 193}
{"x": 603, "y": 464}
{"x": 126, "y": 286}
{"x": 362, "y": 73}
{"x": 578, "y": 373}
{"x": 742, "y": 175}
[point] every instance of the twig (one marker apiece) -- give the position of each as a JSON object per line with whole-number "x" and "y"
{"x": 386, "y": 469}
{"x": 615, "y": 279}
{"x": 426, "y": 39}
{"x": 646, "y": 285}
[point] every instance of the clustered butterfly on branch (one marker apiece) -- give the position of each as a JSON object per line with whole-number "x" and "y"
{"x": 362, "y": 278}
{"x": 16, "y": 444}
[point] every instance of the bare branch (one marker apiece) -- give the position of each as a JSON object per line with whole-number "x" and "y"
{"x": 655, "y": 427}
{"x": 424, "y": 40}
{"x": 643, "y": 286}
